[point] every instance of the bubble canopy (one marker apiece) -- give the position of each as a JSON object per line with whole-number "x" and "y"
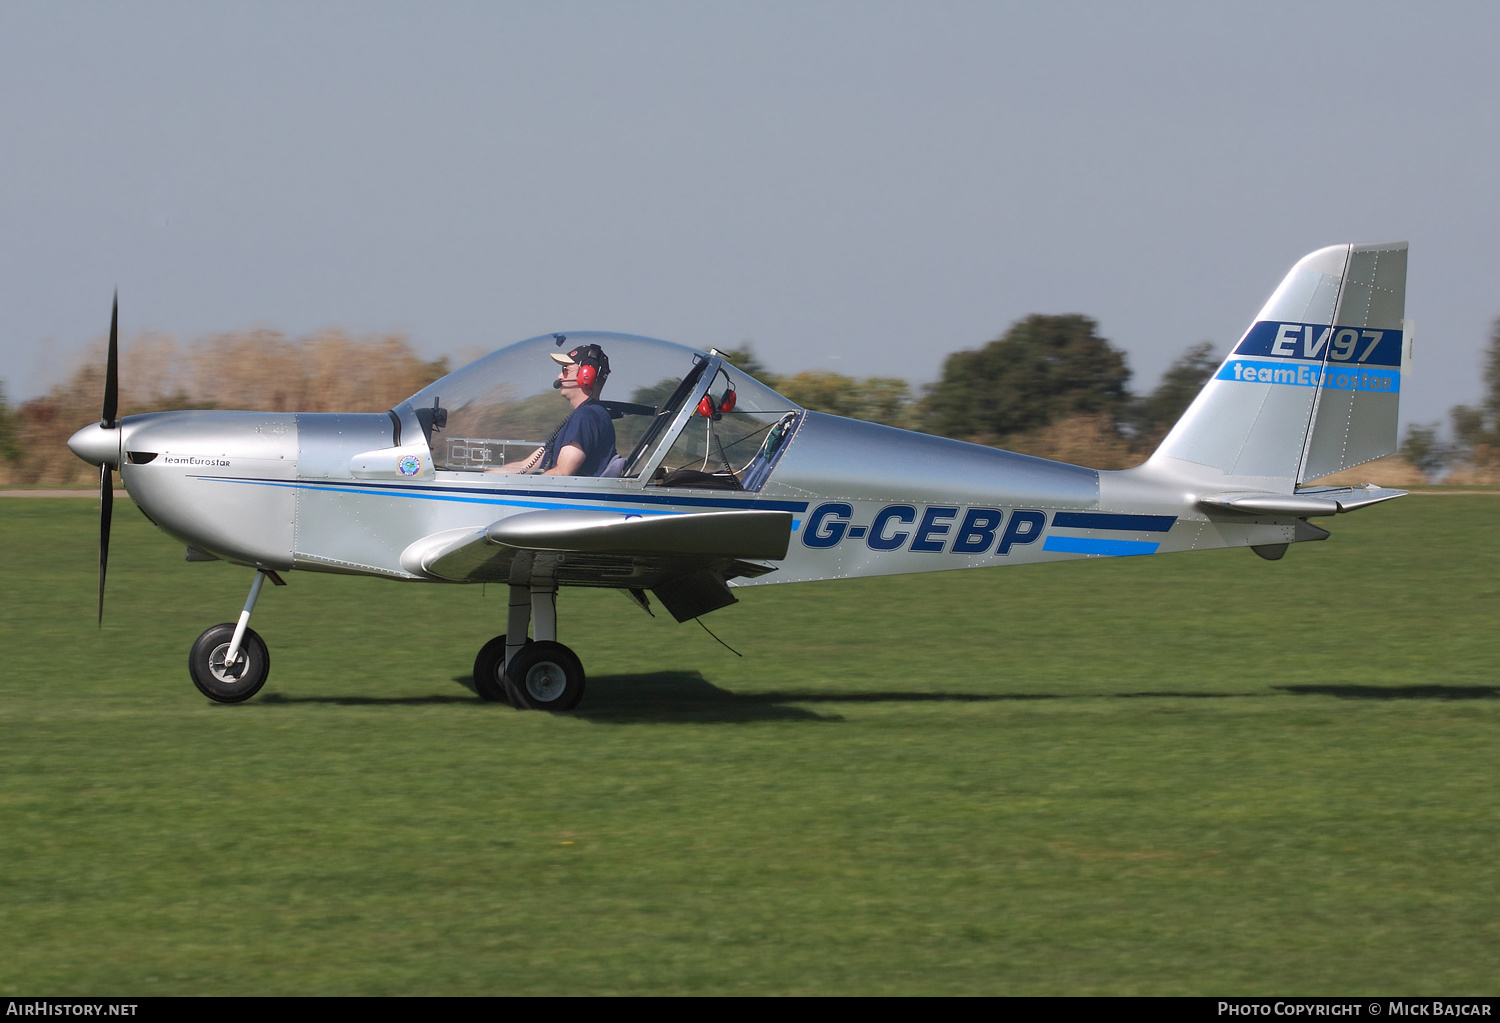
{"x": 501, "y": 408}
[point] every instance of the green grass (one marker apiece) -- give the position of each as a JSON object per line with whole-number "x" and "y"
{"x": 1187, "y": 774}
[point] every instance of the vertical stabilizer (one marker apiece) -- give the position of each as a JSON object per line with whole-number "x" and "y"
{"x": 1313, "y": 385}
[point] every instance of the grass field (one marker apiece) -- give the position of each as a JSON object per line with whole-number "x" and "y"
{"x": 1186, "y": 774}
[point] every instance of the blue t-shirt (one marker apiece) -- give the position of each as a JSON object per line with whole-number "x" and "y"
{"x": 590, "y": 428}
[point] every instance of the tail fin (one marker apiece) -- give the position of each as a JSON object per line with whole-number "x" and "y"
{"x": 1314, "y": 385}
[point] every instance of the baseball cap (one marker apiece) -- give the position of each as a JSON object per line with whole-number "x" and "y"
{"x": 590, "y": 354}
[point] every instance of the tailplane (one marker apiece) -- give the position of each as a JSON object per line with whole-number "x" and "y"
{"x": 1314, "y": 385}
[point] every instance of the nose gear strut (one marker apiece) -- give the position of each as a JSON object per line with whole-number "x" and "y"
{"x": 229, "y": 662}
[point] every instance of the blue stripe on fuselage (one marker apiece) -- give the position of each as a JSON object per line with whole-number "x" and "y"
{"x": 1096, "y": 545}
{"x": 552, "y": 499}
{"x": 1103, "y": 520}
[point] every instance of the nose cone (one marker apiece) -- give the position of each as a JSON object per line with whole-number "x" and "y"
{"x": 97, "y": 445}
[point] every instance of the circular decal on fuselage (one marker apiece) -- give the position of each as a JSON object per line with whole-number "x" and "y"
{"x": 410, "y": 465}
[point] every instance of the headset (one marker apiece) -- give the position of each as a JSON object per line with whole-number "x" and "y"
{"x": 593, "y": 369}
{"x": 710, "y": 409}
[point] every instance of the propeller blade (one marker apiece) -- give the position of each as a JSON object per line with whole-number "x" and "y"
{"x": 106, "y": 512}
{"x": 111, "y": 370}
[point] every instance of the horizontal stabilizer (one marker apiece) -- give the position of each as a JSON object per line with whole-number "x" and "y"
{"x": 1353, "y": 498}
{"x": 1307, "y": 501}
{"x": 731, "y": 534}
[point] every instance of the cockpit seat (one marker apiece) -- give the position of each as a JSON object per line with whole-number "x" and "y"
{"x": 613, "y": 468}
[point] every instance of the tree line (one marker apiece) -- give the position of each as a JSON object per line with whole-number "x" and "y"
{"x": 262, "y": 370}
{"x": 1050, "y": 386}
{"x": 1473, "y": 454}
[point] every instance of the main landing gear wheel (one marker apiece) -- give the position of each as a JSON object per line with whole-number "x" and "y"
{"x": 487, "y": 668}
{"x": 232, "y": 683}
{"x": 548, "y": 676}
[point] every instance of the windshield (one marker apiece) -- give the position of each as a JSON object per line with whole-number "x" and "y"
{"x": 501, "y": 408}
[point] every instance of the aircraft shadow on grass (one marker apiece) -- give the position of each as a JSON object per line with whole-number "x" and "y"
{"x": 1397, "y": 692}
{"x": 280, "y": 699}
{"x": 688, "y": 697}
{"x": 667, "y": 696}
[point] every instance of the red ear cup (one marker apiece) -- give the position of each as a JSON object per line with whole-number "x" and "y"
{"x": 706, "y": 406}
{"x": 726, "y": 403}
{"x": 586, "y": 375}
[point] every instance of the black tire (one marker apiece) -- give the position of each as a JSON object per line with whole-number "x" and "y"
{"x": 548, "y": 676}
{"x": 206, "y": 665}
{"x": 487, "y": 681}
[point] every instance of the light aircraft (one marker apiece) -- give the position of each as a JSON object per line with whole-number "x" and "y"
{"x": 719, "y": 482}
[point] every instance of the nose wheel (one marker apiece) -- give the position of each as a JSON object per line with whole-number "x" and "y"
{"x": 224, "y": 680}
{"x": 229, "y": 663}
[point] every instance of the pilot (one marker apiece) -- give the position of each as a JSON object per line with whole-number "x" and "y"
{"x": 584, "y": 444}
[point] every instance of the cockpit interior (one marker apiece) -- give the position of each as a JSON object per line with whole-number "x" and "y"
{"x": 683, "y": 417}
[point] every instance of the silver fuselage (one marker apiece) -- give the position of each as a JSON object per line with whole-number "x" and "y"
{"x": 1312, "y": 388}
{"x": 277, "y": 491}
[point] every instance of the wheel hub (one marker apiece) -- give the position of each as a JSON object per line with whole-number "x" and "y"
{"x": 546, "y": 681}
{"x": 226, "y": 673}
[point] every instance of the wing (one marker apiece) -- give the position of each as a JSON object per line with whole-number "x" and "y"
{"x": 686, "y": 560}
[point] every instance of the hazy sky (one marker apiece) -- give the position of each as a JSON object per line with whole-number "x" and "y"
{"x": 858, "y": 186}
